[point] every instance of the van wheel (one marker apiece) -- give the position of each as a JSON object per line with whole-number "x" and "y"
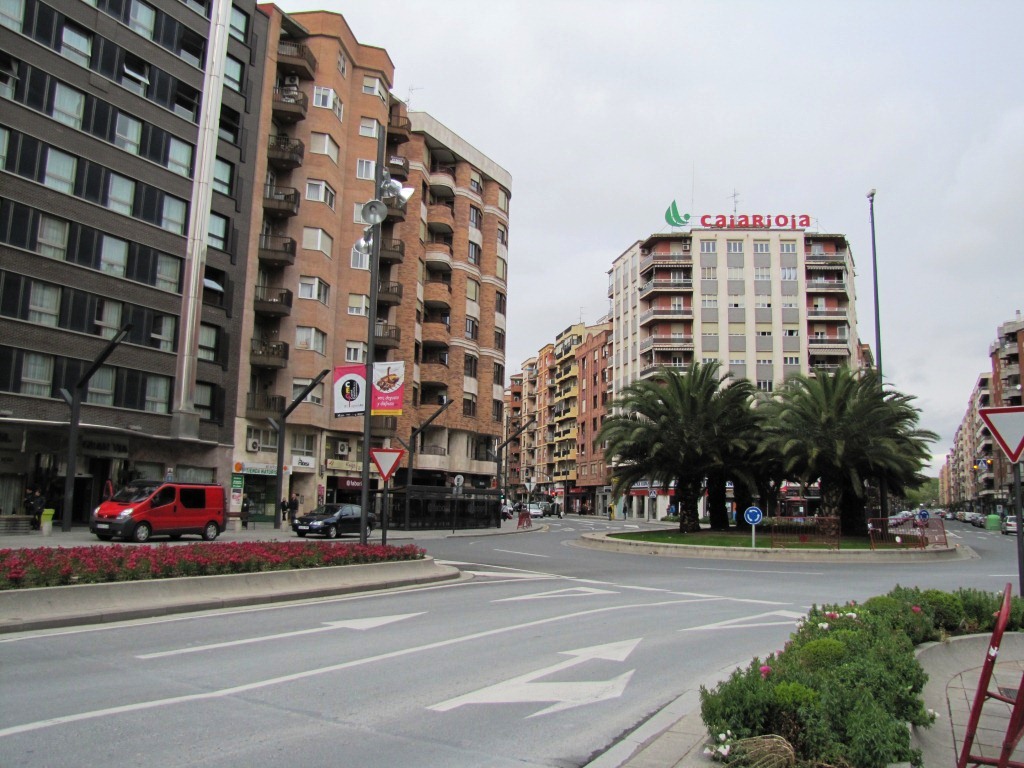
{"x": 141, "y": 533}
{"x": 331, "y": 532}
{"x": 210, "y": 532}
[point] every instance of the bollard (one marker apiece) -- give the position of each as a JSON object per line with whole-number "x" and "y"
{"x": 46, "y": 522}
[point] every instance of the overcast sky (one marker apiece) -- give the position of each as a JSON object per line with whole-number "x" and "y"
{"x": 605, "y": 111}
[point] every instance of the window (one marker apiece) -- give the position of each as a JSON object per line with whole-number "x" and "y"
{"x": 101, "y": 387}
{"x": 470, "y": 367}
{"x": 113, "y": 256}
{"x": 763, "y": 333}
{"x": 355, "y": 352}
{"x": 365, "y": 169}
{"x": 120, "y": 194}
{"x": 342, "y": 64}
{"x": 373, "y": 85}
{"x": 43, "y": 304}
{"x": 499, "y": 373}
{"x": 708, "y": 246}
{"x": 468, "y": 404}
{"x": 179, "y": 157}
{"x": 323, "y": 144}
{"x": 36, "y": 374}
{"x": 762, "y": 273}
{"x": 323, "y": 97}
{"x": 320, "y": 191}
{"x": 497, "y": 410}
{"x": 761, "y": 246}
{"x": 233, "y": 69}
{"x": 472, "y": 328}
{"x": 315, "y": 239}
{"x": 158, "y": 394}
{"x": 791, "y": 361}
{"x": 360, "y": 260}
{"x": 142, "y": 19}
{"x": 791, "y": 332}
{"x": 474, "y": 254}
{"x": 108, "y": 318}
{"x": 229, "y": 127}
{"x": 4, "y": 139}
{"x": 217, "y": 234}
{"x": 168, "y": 272}
{"x": 473, "y": 290}
{"x": 476, "y": 217}
{"x": 239, "y": 25}
{"x": 314, "y": 396}
{"x": 310, "y": 338}
{"x": 709, "y": 273}
{"x": 135, "y": 75}
{"x": 764, "y": 385}
{"x": 762, "y": 302}
{"x": 173, "y": 215}
{"x": 314, "y": 288}
{"x": 788, "y": 273}
{"x": 192, "y": 49}
{"x": 734, "y": 246}
{"x": 202, "y": 401}
{"x": 368, "y": 127}
{"x": 503, "y": 200}
{"x": 737, "y": 303}
{"x": 208, "y": 342}
{"x": 60, "y": 171}
{"x": 787, "y": 247}
{"x": 475, "y": 184}
{"x": 502, "y": 235}
{"x": 223, "y": 176}
{"x": 8, "y": 75}
{"x": 358, "y": 304}
{"x": 11, "y": 14}
{"x": 127, "y": 133}
{"x": 502, "y": 269}
{"x": 52, "y": 237}
{"x": 162, "y": 335}
{"x": 735, "y": 273}
{"x": 499, "y": 339}
{"x": 499, "y": 302}
{"x": 68, "y": 105}
{"x": 76, "y": 44}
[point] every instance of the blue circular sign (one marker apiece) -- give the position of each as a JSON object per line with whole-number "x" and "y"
{"x": 753, "y": 515}
{"x": 923, "y": 515}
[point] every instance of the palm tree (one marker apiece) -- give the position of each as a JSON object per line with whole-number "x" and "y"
{"x": 842, "y": 429}
{"x": 677, "y": 427}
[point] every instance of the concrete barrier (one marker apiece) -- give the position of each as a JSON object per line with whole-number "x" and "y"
{"x": 47, "y": 607}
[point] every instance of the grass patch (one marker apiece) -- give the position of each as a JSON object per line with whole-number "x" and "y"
{"x": 737, "y": 539}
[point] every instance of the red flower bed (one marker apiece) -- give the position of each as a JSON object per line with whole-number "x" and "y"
{"x": 59, "y": 566}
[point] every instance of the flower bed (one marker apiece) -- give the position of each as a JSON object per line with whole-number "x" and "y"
{"x": 60, "y": 566}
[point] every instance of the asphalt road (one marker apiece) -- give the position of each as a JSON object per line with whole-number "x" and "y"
{"x": 544, "y": 658}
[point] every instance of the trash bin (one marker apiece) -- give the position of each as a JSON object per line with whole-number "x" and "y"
{"x": 46, "y": 522}
{"x": 993, "y": 522}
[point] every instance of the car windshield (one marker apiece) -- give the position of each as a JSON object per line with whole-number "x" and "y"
{"x": 134, "y": 492}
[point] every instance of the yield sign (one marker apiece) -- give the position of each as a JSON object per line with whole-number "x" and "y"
{"x": 386, "y": 460}
{"x": 1007, "y": 426}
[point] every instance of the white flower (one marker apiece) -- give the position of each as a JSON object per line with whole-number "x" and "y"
{"x": 851, "y": 615}
{"x": 721, "y": 737}
{"x": 823, "y": 625}
{"x": 708, "y": 752}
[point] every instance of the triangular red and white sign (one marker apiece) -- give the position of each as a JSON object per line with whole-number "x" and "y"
{"x": 1007, "y": 427}
{"x": 387, "y": 460}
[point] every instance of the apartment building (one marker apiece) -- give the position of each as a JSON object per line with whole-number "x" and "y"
{"x": 591, "y": 492}
{"x": 127, "y": 140}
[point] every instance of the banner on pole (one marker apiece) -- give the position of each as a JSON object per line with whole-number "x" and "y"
{"x": 349, "y": 390}
{"x": 388, "y": 388}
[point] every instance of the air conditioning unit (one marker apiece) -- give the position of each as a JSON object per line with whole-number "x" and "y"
{"x": 253, "y": 445}
{"x": 291, "y": 81}
{"x": 341, "y": 449}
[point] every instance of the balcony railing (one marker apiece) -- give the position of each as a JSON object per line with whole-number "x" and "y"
{"x": 277, "y": 250}
{"x": 285, "y": 152}
{"x": 280, "y": 201}
{"x": 289, "y": 104}
{"x": 275, "y": 302}
{"x": 296, "y": 58}
{"x": 392, "y": 251}
{"x": 268, "y": 354}
{"x": 260, "y": 406}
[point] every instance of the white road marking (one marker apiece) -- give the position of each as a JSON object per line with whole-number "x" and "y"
{"x": 514, "y": 552}
{"x": 745, "y": 570}
{"x": 571, "y": 592}
{"x": 360, "y": 624}
{"x": 512, "y": 576}
{"x": 565, "y": 695}
{"x": 750, "y": 621}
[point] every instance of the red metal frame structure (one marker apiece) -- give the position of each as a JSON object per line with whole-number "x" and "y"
{"x": 1015, "y": 728}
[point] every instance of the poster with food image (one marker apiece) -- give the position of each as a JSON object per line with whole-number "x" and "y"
{"x": 388, "y": 388}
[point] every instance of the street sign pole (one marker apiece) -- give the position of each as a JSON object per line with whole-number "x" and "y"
{"x": 1020, "y": 536}
{"x": 753, "y": 516}
{"x": 1006, "y": 423}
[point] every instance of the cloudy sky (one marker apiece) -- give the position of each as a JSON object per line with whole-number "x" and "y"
{"x": 605, "y": 111}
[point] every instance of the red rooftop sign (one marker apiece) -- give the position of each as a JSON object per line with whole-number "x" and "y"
{"x": 756, "y": 221}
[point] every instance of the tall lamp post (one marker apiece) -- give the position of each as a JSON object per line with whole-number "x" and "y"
{"x": 883, "y": 496}
{"x": 374, "y": 213}
{"x": 74, "y": 401}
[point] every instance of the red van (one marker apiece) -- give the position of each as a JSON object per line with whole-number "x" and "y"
{"x": 145, "y": 508}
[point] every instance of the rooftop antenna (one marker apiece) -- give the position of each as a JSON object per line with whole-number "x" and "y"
{"x": 408, "y": 99}
{"x": 735, "y": 200}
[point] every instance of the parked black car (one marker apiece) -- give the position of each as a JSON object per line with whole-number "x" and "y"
{"x": 331, "y": 520}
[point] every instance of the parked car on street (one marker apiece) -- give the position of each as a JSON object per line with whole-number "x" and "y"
{"x": 534, "y": 509}
{"x": 1009, "y": 525}
{"x": 331, "y": 520}
{"x": 979, "y": 520}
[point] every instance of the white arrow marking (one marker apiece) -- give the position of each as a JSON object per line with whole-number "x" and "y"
{"x": 572, "y": 592}
{"x": 360, "y": 624}
{"x": 750, "y": 621}
{"x": 564, "y": 695}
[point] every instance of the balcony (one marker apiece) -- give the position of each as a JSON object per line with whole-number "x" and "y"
{"x": 436, "y": 331}
{"x": 434, "y": 370}
{"x": 832, "y": 259}
{"x": 441, "y": 218}
{"x": 272, "y": 302}
{"x": 289, "y": 105}
{"x": 827, "y": 313}
{"x": 285, "y": 153}
{"x": 392, "y": 251}
{"x": 398, "y": 129}
{"x": 437, "y": 294}
{"x": 280, "y": 201}
{"x": 389, "y": 293}
{"x": 826, "y": 285}
{"x": 665, "y": 286}
{"x": 442, "y": 180}
{"x": 667, "y": 343}
{"x": 665, "y": 313}
{"x": 276, "y": 251}
{"x": 259, "y": 406}
{"x": 672, "y": 260}
{"x": 387, "y": 336}
{"x": 829, "y": 347}
{"x": 268, "y": 354}
{"x": 396, "y": 208}
{"x": 651, "y": 368}
{"x": 438, "y": 255}
{"x": 398, "y": 167}
{"x": 296, "y": 59}
{"x": 383, "y": 426}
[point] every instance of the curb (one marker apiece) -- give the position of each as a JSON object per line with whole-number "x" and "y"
{"x": 49, "y": 607}
{"x": 603, "y": 541}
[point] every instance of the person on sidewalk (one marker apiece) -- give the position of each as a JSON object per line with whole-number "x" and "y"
{"x": 246, "y": 508}
{"x": 36, "y": 505}
{"x": 293, "y": 508}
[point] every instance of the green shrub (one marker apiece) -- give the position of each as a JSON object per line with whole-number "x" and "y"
{"x": 822, "y": 654}
{"x": 979, "y": 609}
{"x": 947, "y": 609}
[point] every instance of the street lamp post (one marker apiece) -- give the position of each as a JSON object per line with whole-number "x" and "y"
{"x": 883, "y": 499}
{"x": 74, "y": 401}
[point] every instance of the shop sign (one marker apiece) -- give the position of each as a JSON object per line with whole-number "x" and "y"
{"x": 350, "y": 483}
{"x": 740, "y": 221}
{"x": 343, "y": 465}
{"x": 104, "y": 447}
{"x": 251, "y": 468}
{"x": 304, "y": 463}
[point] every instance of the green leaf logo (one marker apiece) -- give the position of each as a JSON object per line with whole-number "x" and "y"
{"x": 674, "y": 219}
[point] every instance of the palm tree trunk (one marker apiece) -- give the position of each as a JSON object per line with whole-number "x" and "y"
{"x": 689, "y": 497}
{"x": 717, "y": 513}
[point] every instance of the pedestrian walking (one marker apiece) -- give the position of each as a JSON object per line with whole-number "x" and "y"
{"x": 293, "y": 508}
{"x": 36, "y": 505}
{"x": 246, "y": 508}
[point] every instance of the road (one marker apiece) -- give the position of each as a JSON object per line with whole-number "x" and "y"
{"x": 547, "y": 656}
